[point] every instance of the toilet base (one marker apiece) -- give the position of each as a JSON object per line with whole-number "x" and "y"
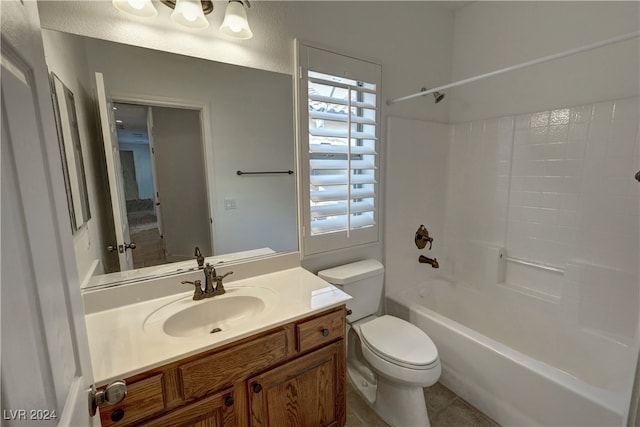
{"x": 366, "y": 388}
{"x": 397, "y": 404}
{"x": 400, "y": 405}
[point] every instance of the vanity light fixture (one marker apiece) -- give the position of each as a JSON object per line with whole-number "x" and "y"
{"x": 191, "y": 13}
{"x": 143, "y": 8}
{"x": 235, "y": 22}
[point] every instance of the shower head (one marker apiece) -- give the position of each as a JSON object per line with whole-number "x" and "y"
{"x": 437, "y": 96}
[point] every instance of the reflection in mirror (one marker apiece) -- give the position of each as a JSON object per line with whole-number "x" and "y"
{"x": 64, "y": 108}
{"x": 185, "y": 127}
{"x": 154, "y": 143}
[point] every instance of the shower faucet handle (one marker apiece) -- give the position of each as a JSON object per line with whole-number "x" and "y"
{"x": 422, "y": 237}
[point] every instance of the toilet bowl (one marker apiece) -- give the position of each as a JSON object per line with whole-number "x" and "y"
{"x": 389, "y": 360}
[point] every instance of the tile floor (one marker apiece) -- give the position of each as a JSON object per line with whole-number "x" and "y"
{"x": 445, "y": 409}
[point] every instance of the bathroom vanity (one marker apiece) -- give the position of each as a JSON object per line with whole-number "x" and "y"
{"x": 282, "y": 363}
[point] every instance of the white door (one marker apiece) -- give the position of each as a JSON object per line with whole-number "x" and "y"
{"x": 154, "y": 171}
{"x": 46, "y": 368}
{"x": 114, "y": 173}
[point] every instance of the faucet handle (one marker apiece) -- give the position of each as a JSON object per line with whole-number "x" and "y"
{"x": 422, "y": 237}
{"x": 198, "y": 294}
{"x": 219, "y": 286}
{"x": 223, "y": 276}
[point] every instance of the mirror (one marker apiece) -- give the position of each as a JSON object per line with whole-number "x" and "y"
{"x": 241, "y": 119}
{"x": 64, "y": 110}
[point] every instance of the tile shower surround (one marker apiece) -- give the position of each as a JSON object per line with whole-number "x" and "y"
{"x": 556, "y": 188}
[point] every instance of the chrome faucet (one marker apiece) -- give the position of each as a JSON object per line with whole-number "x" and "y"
{"x": 426, "y": 260}
{"x": 210, "y": 276}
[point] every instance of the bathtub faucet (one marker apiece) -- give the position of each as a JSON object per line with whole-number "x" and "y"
{"x": 426, "y": 260}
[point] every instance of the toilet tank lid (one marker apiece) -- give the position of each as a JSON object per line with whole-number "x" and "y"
{"x": 349, "y": 273}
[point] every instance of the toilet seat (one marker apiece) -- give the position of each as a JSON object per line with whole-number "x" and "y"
{"x": 399, "y": 342}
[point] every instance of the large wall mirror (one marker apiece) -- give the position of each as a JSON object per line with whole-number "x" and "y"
{"x": 182, "y": 128}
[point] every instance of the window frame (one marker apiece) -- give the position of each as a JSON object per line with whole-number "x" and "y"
{"x": 312, "y": 58}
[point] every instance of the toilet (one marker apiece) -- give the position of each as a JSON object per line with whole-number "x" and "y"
{"x": 389, "y": 360}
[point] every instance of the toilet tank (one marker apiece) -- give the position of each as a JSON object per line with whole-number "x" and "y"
{"x": 363, "y": 281}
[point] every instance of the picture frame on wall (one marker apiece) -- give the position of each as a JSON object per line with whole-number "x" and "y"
{"x": 71, "y": 153}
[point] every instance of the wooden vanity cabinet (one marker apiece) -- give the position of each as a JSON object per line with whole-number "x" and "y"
{"x": 302, "y": 392}
{"x": 210, "y": 411}
{"x": 290, "y": 375}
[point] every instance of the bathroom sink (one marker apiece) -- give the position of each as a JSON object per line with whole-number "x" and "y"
{"x": 242, "y": 306}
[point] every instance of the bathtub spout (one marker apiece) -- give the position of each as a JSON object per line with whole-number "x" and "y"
{"x": 426, "y": 260}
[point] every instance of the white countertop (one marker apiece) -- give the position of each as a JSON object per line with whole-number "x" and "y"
{"x": 121, "y": 346}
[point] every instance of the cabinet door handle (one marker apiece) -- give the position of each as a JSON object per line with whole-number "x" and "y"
{"x": 257, "y": 388}
{"x": 325, "y": 332}
{"x": 228, "y": 401}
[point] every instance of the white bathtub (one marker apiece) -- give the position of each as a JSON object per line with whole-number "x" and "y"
{"x": 516, "y": 358}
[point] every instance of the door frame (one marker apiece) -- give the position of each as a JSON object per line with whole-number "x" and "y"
{"x": 42, "y": 283}
{"x": 207, "y": 141}
{"x": 157, "y": 202}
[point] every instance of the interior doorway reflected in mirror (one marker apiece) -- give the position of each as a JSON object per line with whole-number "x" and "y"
{"x": 154, "y": 141}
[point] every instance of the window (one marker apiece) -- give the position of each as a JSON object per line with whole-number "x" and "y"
{"x": 338, "y": 98}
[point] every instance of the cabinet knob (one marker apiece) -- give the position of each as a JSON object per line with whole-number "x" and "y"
{"x": 228, "y": 401}
{"x": 257, "y": 388}
{"x": 325, "y": 332}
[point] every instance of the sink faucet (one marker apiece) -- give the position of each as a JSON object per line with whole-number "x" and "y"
{"x": 210, "y": 276}
{"x": 426, "y": 260}
{"x": 199, "y": 257}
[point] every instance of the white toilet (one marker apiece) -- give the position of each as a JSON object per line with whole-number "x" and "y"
{"x": 389, "y": 360}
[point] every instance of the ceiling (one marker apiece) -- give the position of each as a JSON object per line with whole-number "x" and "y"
{"x": 131, "y": 122}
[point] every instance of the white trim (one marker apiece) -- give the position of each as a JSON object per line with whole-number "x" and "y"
{"x": 90, "y": 272}
{"x": 329, "y": 62}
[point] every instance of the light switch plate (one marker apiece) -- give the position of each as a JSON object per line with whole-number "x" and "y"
{"x": 229, "y": 204}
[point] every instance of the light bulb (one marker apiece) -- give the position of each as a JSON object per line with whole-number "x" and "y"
{"x": 235, "y": 24}
{"x": 137, "y": 4}
{"x": 189, "y": 13}
{"x": 143, "y": 8}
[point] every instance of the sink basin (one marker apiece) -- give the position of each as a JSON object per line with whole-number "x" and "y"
{"x": 242, "y": 306}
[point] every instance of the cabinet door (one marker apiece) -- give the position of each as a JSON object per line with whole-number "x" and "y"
{"x": 308, "y": 391}
{"x": 213, "y": 411}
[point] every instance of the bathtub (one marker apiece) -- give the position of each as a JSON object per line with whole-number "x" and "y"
{"x": 517, "y": 359}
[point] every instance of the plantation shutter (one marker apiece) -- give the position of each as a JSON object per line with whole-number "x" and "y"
{"x": 341, "y": 110}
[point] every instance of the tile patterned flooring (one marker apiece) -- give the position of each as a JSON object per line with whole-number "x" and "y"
{"x": 444, "y": 407}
